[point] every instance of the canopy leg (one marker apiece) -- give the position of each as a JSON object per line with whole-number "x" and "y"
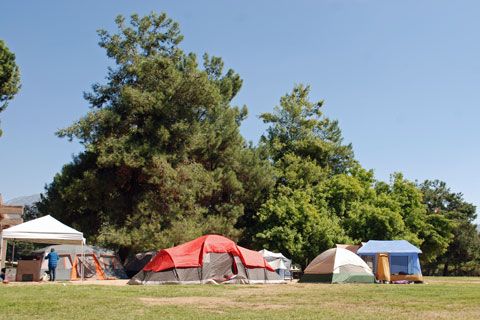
{"x": 3, "y": 252}
{"x": 13, "y": 251}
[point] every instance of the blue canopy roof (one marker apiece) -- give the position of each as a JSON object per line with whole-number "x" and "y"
{"x": 390, "y": 246}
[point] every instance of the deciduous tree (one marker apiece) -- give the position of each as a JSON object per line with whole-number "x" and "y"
{"x": 462, "y": 256}
{"x": 306, "y": 150}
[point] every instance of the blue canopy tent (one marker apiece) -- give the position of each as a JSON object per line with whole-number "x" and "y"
{"x": 392, "y": 260}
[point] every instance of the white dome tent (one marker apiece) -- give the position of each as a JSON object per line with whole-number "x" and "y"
{"x": 278, "y": 262}
{"x": 338, "y": 265}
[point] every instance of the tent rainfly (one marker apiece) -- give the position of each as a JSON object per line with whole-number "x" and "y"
{"x": 352, "y": 247}
{"x": 338, "y": 265}
{"x": 208, "y": 259}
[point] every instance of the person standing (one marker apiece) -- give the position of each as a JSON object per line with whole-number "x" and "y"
{"x": 52, "y": 258}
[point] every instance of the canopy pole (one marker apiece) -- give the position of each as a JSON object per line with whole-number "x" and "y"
{"x": 13, "y": 252}
{"x": 83, "y": 258}
{"x": 3, "y": 251}
{"x": 265, "y": 271}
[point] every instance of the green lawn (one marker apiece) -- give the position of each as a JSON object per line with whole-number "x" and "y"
{"x": 439, "y": 298}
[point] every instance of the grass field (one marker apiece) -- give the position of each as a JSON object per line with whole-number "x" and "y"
{"x": 439, "y": 298}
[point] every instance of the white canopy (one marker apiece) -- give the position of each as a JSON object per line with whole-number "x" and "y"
{"x": 44, "y": 230}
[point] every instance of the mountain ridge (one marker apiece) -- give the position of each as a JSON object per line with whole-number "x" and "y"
{"x": 23, "y": 201}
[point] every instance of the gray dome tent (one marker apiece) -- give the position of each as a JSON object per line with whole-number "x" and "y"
{"x": 138, "y": 261}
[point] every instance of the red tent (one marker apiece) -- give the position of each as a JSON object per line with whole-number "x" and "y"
{"x": 208, "y": 259}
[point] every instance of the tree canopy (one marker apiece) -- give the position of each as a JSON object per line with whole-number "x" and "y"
{"x": 9, "y": 76}
{"x": 323, "y": 196}
{"x": 306, "y": 151}
{"x": 462, "y": 256}
{"x": 164, "y": 161}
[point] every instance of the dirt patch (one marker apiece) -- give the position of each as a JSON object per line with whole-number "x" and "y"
{"x": 23, "y": 283}
{"x": 117, "y": 282}
{"x": 452, "y": 280}
{"x": 206, "y": 301}
{"x": 211, "y": 303}
{"x": 65, "y": 283}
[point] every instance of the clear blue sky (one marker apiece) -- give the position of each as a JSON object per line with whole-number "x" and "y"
{"x": 402, "y": 77}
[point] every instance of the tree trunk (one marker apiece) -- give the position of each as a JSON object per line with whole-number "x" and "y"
{"x": 445, "y": 269}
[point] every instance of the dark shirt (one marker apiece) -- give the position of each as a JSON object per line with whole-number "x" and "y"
{"x": 52, "y": 258}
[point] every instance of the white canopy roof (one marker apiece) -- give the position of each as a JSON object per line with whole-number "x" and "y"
{"x": 44, "y": 230}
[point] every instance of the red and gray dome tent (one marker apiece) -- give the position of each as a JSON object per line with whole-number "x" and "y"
{"x": 208, "y": 259}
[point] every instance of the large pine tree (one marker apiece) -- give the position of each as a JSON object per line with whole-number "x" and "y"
{"x": 164, "y": 161}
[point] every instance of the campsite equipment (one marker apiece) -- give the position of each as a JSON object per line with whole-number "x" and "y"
{"x": 392, "y": 260}
{"x": 28, "y": 270}
{"x": 278, "y": 262}
{"x": 99, "y": 263}
{"x": 45, "y": 229}
{"x": 208, "y": 259}
{"x": 338, "y": 265}
{"x": 138, "y": 262}
{"x": 383, "y": 267}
